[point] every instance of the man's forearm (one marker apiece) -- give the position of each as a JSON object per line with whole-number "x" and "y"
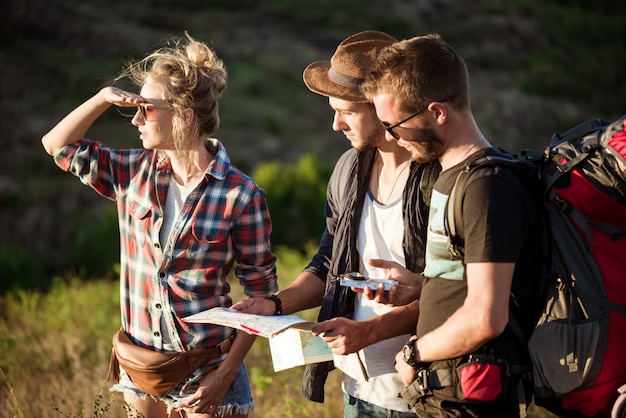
{"x": 305, "y": 292}
{"x": 399, "y": 321}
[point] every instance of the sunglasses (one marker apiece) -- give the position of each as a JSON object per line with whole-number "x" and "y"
{"x": 389, "y": 128}
{"x": 144, "y": 108}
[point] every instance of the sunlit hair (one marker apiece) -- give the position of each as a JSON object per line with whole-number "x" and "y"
{"x": 193, "y": 78}
{"x": 419, "y": 71}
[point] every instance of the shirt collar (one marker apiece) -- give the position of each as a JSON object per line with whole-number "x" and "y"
{"x": 220, "y": 165}
{"x": 218, "y": 168}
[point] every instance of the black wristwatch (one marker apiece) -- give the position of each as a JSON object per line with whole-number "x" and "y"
{"x": 277, "y": 302}
{"x": 408, "y": 353}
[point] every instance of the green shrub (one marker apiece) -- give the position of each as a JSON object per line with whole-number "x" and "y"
{"x": 19, "y": 269}
{"x": 296, "y": 195}
{"x": 96, "y": 248}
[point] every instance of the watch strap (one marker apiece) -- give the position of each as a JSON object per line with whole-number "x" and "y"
{"x": 277, "y": 302}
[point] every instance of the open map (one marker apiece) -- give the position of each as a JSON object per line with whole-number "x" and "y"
{"x": 291, "y": 341}
{"x": 264, "y": 326}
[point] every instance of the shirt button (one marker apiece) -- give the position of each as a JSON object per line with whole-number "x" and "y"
{"x": 157, "y": 334}
{"x": 157, "y": 245}
{"x": 158, "y": 306}
{"x": 161, "y": 274}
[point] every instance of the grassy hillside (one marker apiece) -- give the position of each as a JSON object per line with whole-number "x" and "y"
{"x": 537, "y": 67}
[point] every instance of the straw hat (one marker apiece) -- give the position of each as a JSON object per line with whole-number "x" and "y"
{"x": 343, "y": 74}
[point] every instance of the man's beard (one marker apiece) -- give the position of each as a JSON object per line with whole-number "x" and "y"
{"x": 427, "y": 146}
{"x": 364, "y": 146}
{"x": 369, "y": 142}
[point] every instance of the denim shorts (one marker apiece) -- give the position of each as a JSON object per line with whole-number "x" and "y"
{"x": 237, "y": 400}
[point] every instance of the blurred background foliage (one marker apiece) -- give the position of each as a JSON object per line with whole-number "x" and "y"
{"x": 537, "y": 67}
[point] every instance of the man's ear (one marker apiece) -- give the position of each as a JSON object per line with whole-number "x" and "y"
{"x": 439, "y": 112}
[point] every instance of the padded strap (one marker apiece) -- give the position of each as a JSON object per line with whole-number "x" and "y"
{"x": 425, "y": 380}
{"x": 225, "y": 345}
{"x": 440, "y": 378}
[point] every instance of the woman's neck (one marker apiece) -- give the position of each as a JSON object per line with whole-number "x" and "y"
{"x": 188, "y": 167}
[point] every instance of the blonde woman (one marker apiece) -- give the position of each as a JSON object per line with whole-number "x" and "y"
{"x": 186, "y": 215}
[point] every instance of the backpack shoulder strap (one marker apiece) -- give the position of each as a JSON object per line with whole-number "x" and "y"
{"x": 495, "y": 157}
{"x": 428, "y": 177}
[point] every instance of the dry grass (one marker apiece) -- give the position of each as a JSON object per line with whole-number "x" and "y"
{"x": 56, "y": 346}
{"x": 80, "y": 392}
{"x": 55, "y": 353}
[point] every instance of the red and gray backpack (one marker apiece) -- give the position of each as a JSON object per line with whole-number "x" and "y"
{"x": 578, "y": 347}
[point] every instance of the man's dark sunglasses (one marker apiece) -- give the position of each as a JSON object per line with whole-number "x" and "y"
{"x": 389, "y": 128}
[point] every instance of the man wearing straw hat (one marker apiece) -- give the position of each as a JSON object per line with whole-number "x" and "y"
{"x": 374, "y": 211}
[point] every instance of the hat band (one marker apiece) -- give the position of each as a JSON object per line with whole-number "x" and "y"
{"x": 344, "y": 80}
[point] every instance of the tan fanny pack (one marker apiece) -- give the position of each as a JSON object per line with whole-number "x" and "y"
{"x": 158, "y": 373}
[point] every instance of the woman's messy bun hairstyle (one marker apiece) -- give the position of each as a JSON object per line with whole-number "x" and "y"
{"x": 194, "y": 78}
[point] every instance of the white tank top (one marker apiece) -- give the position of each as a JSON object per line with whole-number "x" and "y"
{"x": 381, "y": 232}
{"x": 176, "y": 196}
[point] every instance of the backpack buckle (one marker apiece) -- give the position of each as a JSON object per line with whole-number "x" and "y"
{"x": 456, "y": 247}
{"x": 422, "y": 381}
{"x": 417, "y": 389}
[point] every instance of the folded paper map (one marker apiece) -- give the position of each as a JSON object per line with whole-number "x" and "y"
{"x": 291, "y": 341}
{"x": 264, "y": 326}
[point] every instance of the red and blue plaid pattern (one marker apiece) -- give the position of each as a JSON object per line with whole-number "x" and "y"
{"x": 224, "y": 221}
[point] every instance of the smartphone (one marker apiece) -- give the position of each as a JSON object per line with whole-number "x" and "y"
{"x": 359, "y": 281}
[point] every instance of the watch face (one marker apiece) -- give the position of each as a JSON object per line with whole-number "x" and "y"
{"x": 407, "y": 353}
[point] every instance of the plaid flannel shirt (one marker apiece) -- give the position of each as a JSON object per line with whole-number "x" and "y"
{"x": 225, "y": 219}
